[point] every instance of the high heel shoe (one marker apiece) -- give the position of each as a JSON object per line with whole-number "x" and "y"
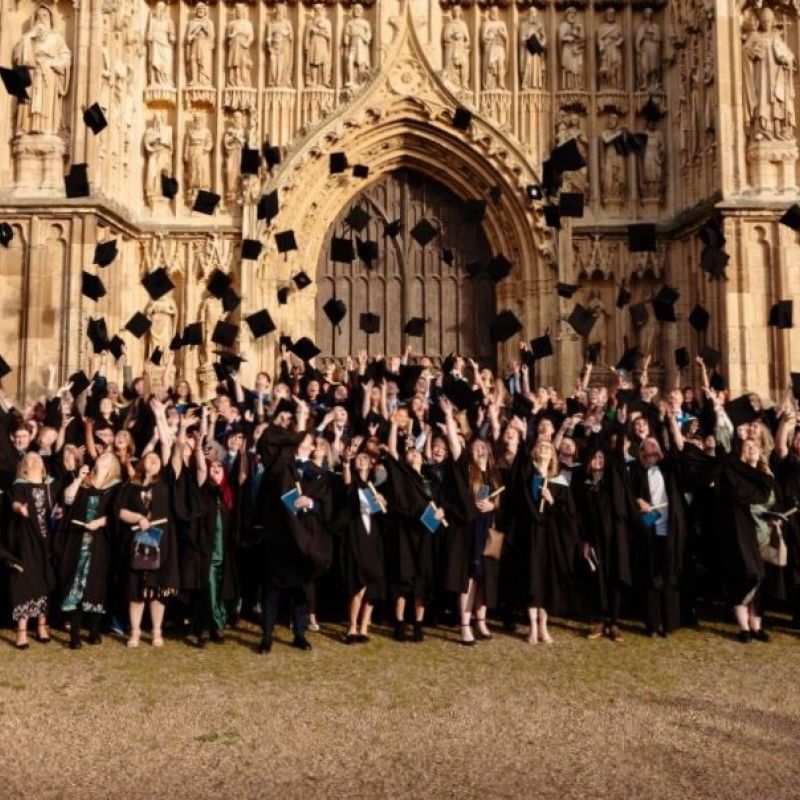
{"x": 483, "y": 634}
{"x": 467, "y": 642}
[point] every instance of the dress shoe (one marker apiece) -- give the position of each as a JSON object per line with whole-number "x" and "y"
{"x": 362, "y": 638}
{"x": 301, "y": 643}
{"x": 351, "y": 638}
{"x": 94, "y": 638}
{"x": 615, "y": 634}
{"x": 760, "y": 635}
{"x": 75, "y": 644}
{"x": 399, "y": 631}
{"x": 596, "y": 631}
{"x": 265, "y": 645}
{"x": 744, "y": 636}
{"x": 418, "y": 634}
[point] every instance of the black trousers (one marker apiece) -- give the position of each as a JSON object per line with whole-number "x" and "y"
{"x": 663, "y": 608}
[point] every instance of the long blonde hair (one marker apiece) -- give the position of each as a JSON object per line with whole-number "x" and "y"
{"x": 114, "y": 472}
{"x": 552, "y": 467}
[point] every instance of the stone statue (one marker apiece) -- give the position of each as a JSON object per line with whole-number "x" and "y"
{"x": 239, "y": 36}
{"x": 357, "y": 39}
{"x": 160, "y": 37}
{"x": 610, "y": 41}
{"x": 44, "y": 51}
{"x": 652, "y": 165}
{"x": 158, "y": 149}
{"x": 599, "y": 331}
{"x": 211, "y": 311}
{"x": 280, "y": 46}
{"x": 571, "y": 43}
{"x": 769, "y": 82}
{"x": 317, "y": 46}
{"x": 494, "y": 40}
{"x": 456, "y": 44}
{"x": 233, "y": 141}
{"x": 163, "y": 315}
{"x": 569, "y": 127}
{"x": 646, "y": 332}
{"x": 613, "y": 183}
{"x": 531, "y": 67}
{"x": 200, "y": 47}
{"x": 648, "y": 54}
{"x": 197, "y": 147}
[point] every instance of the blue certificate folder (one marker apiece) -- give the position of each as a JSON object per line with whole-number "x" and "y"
{"x": 372, "y": 501}
{"x": 289, "y": 498}
{"x": 428, "y": 519}
{"x": 149, "y": 538}
{"x": 651, "y": 517}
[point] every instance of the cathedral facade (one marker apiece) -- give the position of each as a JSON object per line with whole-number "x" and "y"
{"x": 369, "y": 183}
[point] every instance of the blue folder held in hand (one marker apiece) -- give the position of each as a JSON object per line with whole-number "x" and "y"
{"x": 651, "y": 517}
{"x": 288, "y": 500}
{"x": 428, "y": 519}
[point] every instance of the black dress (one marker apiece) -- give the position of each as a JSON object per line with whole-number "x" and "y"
{"x": 481, "y": 567}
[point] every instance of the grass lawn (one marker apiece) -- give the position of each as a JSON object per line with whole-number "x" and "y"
{"x": 698, "y": 715}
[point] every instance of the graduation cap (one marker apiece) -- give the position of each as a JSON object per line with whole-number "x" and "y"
{"x": 79, "y": 383}
{"x": 567, "y": 157}
{"x": 367, "y": 250}
{"x": 6, "y": 234}
{"x": 534, "y": 46}
{"x": 220, "y": 371}
{"x": 499, "y": 267}
{"x": 231, "y": 361}
{"x": 629, "y": 359}
{"x": 285, "y": 341}
{"x": 582, "y": 320}
{"x": 414, "y": 327}
{"x": 268, "y": 206}
{"x": 76, "y": 182}
{"x": 218, "y": 283}
{"x": 699, "y": 318}
{"x": 740, "y": 411}
{"x": 176, "y": 343}
{"x": 652, "y": 111}
{"x": 105, "y": 252}
{"x": 97, "y": 333}
{"x": 285, "y": 406}
{"x": 423, "y": 232}
{"x": 462, "y": 395}
{"x": 335, "y": 310}
{"x": 272, "y": 154}
{"x": 713, "y": 260}
{"x": 462, "y": 118}
{"x": 791, "y": 217}
{"x": 711, "y": 234}
{"x": 342, "y": 250}
{"x": 230, "y": 300}
{"x": 260, "y": 323}
{"x": 360, "y": 171}
{"x": 716, "y": 382}
{"x": 369, "y": 323}
{"x": 521, "y": 406}
{"x": 115, "y": 347}
{"x": 250, "y": 161}
{"x": 408, "y": 377}
{"x": 474, "y": 210}
{"x": 780, "y": 315}
{"x": 795, "y": 376}
{"x": 94, "y": 118}
{"x": 337, "y": 163}
{"x": 552, "y": 217}
{"x": 285, "y": 241}
{"x": 566, "y": 289}
{"x": 156, "y": 355}
{"x": 570, "y": 204}
{"x": 663, "y": 304}
{"x": 157, "y": 283}
{"x": 283, "y": 295}
{"x": 392, "y": 228}
{"x": 710, "y": 356}
{"x": 91, "y": 286}
{"x": 251, "y": 249}
{"x": 639, "y": 314}
{"x": 623, "y": 297}
{"x": 169, "y": 186}
{"x": 642, "y": 238}
{"x": 552, "y": 176}
{"x": 305, "y": 349}
{"x": 138, "y": 325}
{"x": 192, "y": 334}
{"x": 448, "y": 256}
{"x": 301, "y": 280}
{"x": 357, "y": 218}
{"x": 16, "y": 80}
{"x": 682, "y": 358}
{"x": 504, "y": 326}
{"x": 541, "y": 347}
{"x": 225, "y": 333}
{"x": 205, "y": 202}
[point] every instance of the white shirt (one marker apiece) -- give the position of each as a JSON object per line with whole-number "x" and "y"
{"x": 658, "y": 496}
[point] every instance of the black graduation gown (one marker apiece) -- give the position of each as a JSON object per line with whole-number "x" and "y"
{"x": 362, "y": 552}
{"x": 71, "y": 540}
{"x": 787, "y": 476}
{"x": 30, "y": 545}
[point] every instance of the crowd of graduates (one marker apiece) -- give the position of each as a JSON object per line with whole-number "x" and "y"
{"x": 430, "y": 494}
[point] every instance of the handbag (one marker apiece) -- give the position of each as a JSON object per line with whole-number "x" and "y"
{"x": 494, "y": 543}
{"x": 147, "y": 550}
{"x": 775, "y": 551}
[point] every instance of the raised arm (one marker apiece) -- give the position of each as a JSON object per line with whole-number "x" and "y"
{"x": 451, "y": 428}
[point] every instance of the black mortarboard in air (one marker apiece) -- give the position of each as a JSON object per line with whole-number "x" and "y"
{"x": 448, "y": 256}
{"x": 305, "y": 349}
{"x": 369, "y": 323}
{"x": 566, "y": 289}
{"x": 337, "y": 163}
{"x": 272, "y": 154}
{"x": 541, "y": 347}
{"x": 220, "y": 371}
{"x": 791, "y": 217}
{"x": 16, "y": 80}
{"x": 713, "y": 260}
{"x": 251, "y": 249}
{"x": 342, "y": 250}
{"x": 91, "y": 286}
{"x": 740, "y": 411}
{"x": 570, "y": 204}
{"x": 4, "y": 368}
{"x": 682, "y": 358}
{"x": 462, "y": 118}
{"x": 461, "y": 395}
{"x": 357, "y": 218}
{"x": 283, "y": 295}
{"x": 138, "y": 325}
{"x": 176, "y": 343}
{"x": 474, "y": 210}
{"x": 76, "y": 182}
{"x": 414, "y": 327}
{"x": 663, "y": 304}
{"x": 250, "y": 161}
{"x": 230, "y": 300}
{"x": 301, "y": 280}
{"x": 699, "y": 318}
{"x": 367, "y": 250}
{"x": 534, "y": 46}
{"x": 156, "y": 355}
{"x": 504, "y": 326}
{"x": 652, "y": 111}
{"x": 623, "y": 297}
{"x": 260, "y": 323}
{"x": 795, "y": 376}
{"x": 205, "y": 202}
{"x": 97, "y": 333}
{"x": 567, "y": 157}
{"x": 231, "y": 361}
{"x": 193, "y": 334}
{"x": 79, "y": 383}
{"x": 335, "y": 310}
{"x": 105, "y": 252}
{"x": 218, "y": 283}
{"x": 710, "y": 356}
{"x": 639, "y": 314}
{"x": 94, "y": 118}
{"x": 6, "y": 234}
{"x": 711, "y": 234}
{"x": 392, "y": 228}
{"x": 423, "y": 232}
{"x": 780, "y": 315}
{"x": 169, "y": 186}
{"x": 582, "y": 320}
{"x": 285, "y": 241}
{"x": 268, "y": 206}
{"x": 552, "y": 217}
{"x": 117, "y": 347}
{"x": 225, "y": 333}
{"x": 642, "y": 238}
{"x": 157, "y": 283}
{"x": 476, "y": 268}
{"x": 360, "y": 171}
{"x": 552, "y": 177}
{"x": 629, "y": 359}
{"x": 716, "y": 382}
{"x": 499, "y": 267}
